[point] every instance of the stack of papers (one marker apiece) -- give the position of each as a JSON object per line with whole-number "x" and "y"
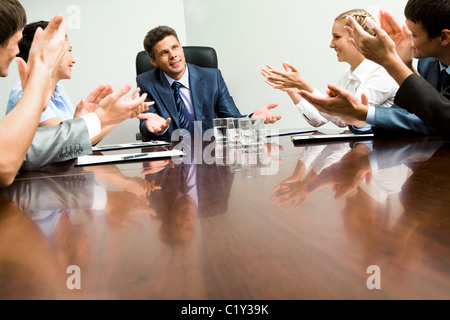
{"x": 90, "y": 159}
{"x": 332, "y": 137}
{"x": 130, "y": 145}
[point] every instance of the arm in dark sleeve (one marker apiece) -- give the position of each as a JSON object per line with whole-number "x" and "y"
{"x": 148, "y": 136}
{"x": 395, "y": 122}
{"x": 225, "y": 106}
{"x": 417, "y": 96}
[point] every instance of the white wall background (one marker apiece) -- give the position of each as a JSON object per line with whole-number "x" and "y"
{"x": 247, "y": 34}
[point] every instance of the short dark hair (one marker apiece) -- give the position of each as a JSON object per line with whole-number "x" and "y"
{"x": 28, "y": 35}
{"x": 433, "y": 15}
{"x": 12, "y": 19}
{"x": 156, "y": 35}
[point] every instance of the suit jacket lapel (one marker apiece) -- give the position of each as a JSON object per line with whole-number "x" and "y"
{"x": 197, "y": 88}
{"x": 165, "y": 93}
{"x": 434, "y": 74}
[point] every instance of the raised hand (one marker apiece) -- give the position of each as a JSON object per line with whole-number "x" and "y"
{"x": 401, "y": 36}
{"x": 155, "y": 123}
{"x": 374, "y": 48}
{"x": 341, "y": 103}
{"x": 114, "y": 108}
{"x": 381, "y": 48}
{"x": 90, "y": 104}
{"x": 266, "y": 114}
{"x": 289, "y": 79}
{"x": 45, "y": 58}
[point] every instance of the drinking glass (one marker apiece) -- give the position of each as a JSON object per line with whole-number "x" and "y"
{"x": 233, "y": 131}
{"x": 220, "y": 129}
{"x": 247, "y": 135}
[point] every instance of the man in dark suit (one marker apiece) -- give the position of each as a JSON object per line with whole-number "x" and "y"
{"x": 425, "y": 97}
{"x": 204, "y": 93}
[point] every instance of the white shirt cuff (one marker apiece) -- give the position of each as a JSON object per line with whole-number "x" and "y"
{"x": 93, "y": 123}
{"x": 371, "y": 116}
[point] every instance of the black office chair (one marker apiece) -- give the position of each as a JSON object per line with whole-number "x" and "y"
{"x": 200, "y": 56}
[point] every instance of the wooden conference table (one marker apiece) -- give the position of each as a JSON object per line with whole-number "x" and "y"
{"x": 337, "y": 220}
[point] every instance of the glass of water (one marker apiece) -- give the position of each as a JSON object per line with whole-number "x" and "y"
{"x": 233, "y": 131}
{"x": 220, "y": 129}
{"x": 247, "y": 135}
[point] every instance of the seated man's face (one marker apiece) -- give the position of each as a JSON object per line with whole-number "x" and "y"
{"x": 9, "y": 52}
{"x": 424, "y": 46}
{"x": 169, "y": 57}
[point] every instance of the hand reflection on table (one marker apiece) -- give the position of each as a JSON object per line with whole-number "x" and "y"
{"x": 404, "y": 223}
{"x": 133, "y": 200}
{"x": 319, "y": 167}
{"x": 345, "y": 169}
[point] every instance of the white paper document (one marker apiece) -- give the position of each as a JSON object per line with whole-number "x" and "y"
{"x": 130, "y": 145}
{"x": 332, "y": 137}
{"x": 91, "y": 159}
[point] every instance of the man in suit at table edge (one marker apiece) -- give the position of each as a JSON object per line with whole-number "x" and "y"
{"x": 423, "y": 105}
{"x": 203, "y": 91}
{"x": 35, "y": 147}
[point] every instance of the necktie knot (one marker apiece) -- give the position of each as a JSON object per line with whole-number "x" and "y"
{"x": 176, "y": 86}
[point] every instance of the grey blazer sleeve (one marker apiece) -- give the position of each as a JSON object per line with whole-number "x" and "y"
{"x": 394, "y": 122}
{"x": 416, "y": 95}
{"x": 51, "y": 144}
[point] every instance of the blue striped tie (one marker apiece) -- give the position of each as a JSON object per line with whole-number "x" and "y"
{"x": 183, "y": 114}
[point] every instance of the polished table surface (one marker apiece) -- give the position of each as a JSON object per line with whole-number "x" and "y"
{"x": 339, "y": 220}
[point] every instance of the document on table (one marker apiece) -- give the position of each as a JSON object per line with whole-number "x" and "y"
{"x": 279, "y": 133}
{"x": 100, "y": 159}
{"x": 130, "y": 145}
{"x": 332, "y": 137}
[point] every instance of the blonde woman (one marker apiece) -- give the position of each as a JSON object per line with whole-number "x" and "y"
{"x": 362, "y": 76}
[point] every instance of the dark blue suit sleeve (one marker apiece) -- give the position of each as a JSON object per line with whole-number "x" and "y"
{"x": 394, "y": 122}
{"x": 418, "y": 96}
{"x": 148, "y": 136}
{"x": 225, "y": 106}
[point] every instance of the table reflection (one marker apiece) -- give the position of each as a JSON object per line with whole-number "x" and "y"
{"x": 188, "y": 192}
{"x": 196, "y": 230}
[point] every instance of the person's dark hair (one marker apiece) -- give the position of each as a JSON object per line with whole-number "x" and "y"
{"x": 28, "y": 36}
{"x": 12, "y": 19}
{"x": 154, "y": 36}
{"x": 433, "y": 15}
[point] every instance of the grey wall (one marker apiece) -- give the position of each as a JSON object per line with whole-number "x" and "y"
{"x": 247, "y": 34}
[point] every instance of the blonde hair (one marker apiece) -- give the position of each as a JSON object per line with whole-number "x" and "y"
{"x": 360, "y": 15}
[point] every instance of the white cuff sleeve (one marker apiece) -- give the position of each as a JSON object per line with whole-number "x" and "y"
{"x": 93, "y": 123}
{"x": 371, "y": 116}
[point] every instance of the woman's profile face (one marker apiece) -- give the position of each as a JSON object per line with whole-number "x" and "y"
{"x": 345, "y": 50}
{"x": 65, "y": 71}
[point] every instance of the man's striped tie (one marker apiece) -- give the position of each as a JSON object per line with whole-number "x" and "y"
{"x": 183, "y": 115}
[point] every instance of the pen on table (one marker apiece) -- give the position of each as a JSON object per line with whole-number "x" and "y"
{"x": 134, "y": 156}
{"x": 290, "y": 133}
